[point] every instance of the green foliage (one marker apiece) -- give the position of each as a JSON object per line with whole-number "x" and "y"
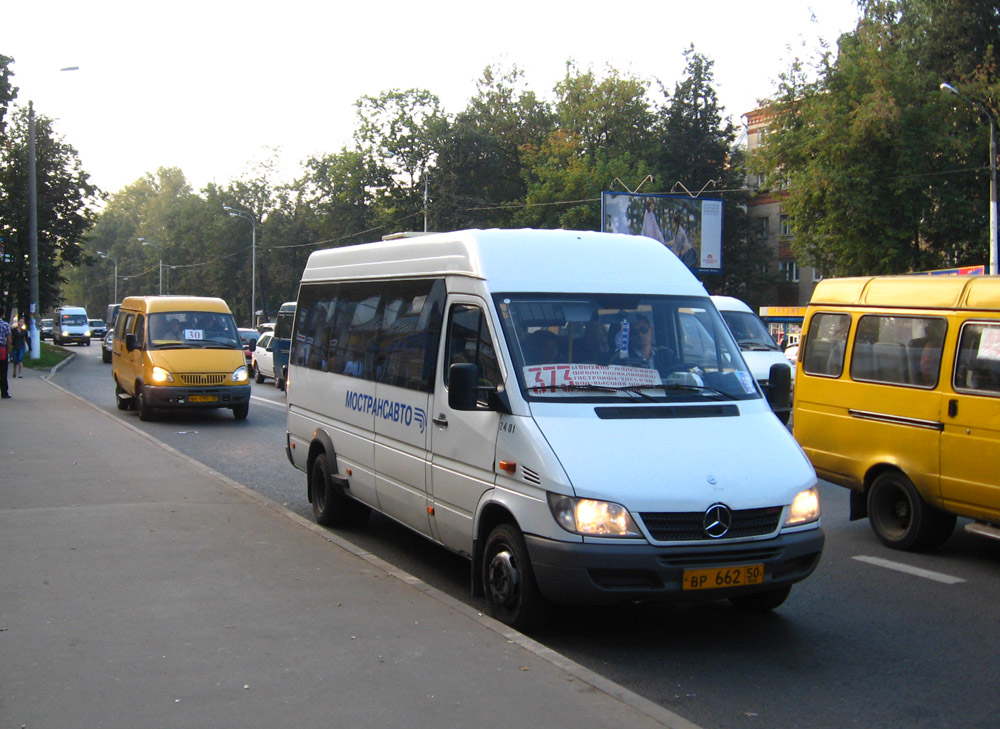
{"x": 66, "y": 208}
{"x": 883, "y": 174}
{"x": 508, "y": 159}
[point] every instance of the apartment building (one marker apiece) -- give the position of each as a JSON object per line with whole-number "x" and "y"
{"x": 769, "y": 222}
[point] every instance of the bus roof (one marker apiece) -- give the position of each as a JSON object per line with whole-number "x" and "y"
{"x": 910, "y": 292}
{"x": 517, "y": 260}
{"x": 153, "y": 304}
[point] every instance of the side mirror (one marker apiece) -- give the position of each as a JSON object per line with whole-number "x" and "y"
{"x": 131, "y": 343}
{"x": 779, "y": 390}
{"x": 463, "y": 381}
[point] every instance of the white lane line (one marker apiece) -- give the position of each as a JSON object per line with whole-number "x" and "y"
{"x": 908, "y": 569}
{"x": 268, "y": 403}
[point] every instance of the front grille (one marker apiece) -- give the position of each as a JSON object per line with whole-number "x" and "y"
{"x": 203, "y": 378}
{"x": 689, "y": 525}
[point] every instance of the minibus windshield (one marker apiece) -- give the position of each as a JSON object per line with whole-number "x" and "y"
{"x": 193, "y": 329}
{"x": 750, "y": 332}
{"x": 602, "y": 347}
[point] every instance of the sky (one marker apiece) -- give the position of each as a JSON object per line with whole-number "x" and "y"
{"x": 216, "y": 88}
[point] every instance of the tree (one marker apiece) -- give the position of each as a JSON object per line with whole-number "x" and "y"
{"x": 877, "y": 173}
{"x": 697, "y": 148}
{"x": 476, "y": 180}
{"x": 66, "y": 205}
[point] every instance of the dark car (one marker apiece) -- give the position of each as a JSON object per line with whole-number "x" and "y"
{"x": 106, "y": 346}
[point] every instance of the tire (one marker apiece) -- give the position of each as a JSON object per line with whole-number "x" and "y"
{"x": 512, "y": 595}
{"x": 143, "y": 406}
{"x": 257, "y": 376}
{"x": 240, "y": 412}
{"x": 279, "y": 383}
{"x": 901, "y": 519}
{"x": 105, "y": 356}
{"x": 761, "y": 602}
{"x": 124, "y": 403}
{"x": 331, "y": 508}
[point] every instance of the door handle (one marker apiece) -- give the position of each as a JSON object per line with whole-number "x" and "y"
{"x": 440, "y": 420}
{"x": 952, "y": 408}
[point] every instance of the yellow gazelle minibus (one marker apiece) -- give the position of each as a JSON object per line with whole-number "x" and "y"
{"x": 898, "y": 399}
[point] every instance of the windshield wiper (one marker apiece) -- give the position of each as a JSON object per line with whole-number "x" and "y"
{"x": 675, "y": 387}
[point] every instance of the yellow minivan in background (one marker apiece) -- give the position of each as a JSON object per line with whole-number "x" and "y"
{"x": 898, "y": 399}
{"x": 178, "y": 352}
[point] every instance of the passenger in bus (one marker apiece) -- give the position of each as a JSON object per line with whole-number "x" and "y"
{"x": 593, "y": 347}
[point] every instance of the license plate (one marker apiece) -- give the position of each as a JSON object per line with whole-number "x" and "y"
{"x": 203, "y": 398}
{"x": 720, "y": 577}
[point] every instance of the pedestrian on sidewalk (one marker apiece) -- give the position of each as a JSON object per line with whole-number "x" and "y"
{"x": 18, "y": 346}
{"x": 4, "y": 349}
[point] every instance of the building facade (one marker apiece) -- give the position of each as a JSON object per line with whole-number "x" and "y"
{"x": 770, "y": 223}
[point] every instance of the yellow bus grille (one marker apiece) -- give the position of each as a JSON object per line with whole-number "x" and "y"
{"x": 203, "y": 378}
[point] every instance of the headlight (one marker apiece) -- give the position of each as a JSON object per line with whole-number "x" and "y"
{"x": 161, "y": 375}
{"x": 804, "y": 508}
{"x": 240, "y": 374}
{"x": 592, "y": 518}
{"x": 86, "y": 333}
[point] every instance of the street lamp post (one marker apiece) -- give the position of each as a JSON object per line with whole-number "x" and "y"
{"x": 993, "y": 172}
{"x": 148, "y": 243}
{"x": 253, "y": 257}
{"x": 33, "y": 305}
{"x": 115, "y": 261}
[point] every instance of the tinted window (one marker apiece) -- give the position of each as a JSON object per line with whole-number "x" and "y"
{"x": 384, "y": 331}
{"x": 826, "y": 343}
{"x": 978, "y": 367}
{"x": 469, "y": 341}
{"x": 898, "y": 350}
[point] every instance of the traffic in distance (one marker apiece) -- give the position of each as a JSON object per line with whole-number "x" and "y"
{"x": 572, "y": 438}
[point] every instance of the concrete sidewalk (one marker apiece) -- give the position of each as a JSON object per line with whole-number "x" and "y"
{"x": 138, "y": 588}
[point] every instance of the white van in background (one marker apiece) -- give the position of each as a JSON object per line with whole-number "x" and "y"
{"x": 566, "y": 409}
{"x": 761, "y": 353}
{"x": 71, "y": 326}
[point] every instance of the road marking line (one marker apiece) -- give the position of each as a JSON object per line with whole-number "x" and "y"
{"x": 910, "y": 570}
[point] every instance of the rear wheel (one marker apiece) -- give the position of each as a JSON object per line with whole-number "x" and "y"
{"x": 330, "y": 506}
{"x": 123, "y": 401}
{"x": 509, "y": 583}
{"x": 901, "y": 519}
{"x": 257, "y": 376}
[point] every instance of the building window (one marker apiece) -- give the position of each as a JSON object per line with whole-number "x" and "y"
{"x": 789, "y": 270}
{"x": 785, "y": 225}
{"x": 762, "y": 227}
{"x": 817, "y": 275}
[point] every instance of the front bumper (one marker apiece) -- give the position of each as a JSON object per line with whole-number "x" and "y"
{"x": 604, "y": 574}
{"x": 203, "y": 397}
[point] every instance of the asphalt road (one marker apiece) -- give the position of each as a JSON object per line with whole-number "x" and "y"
{"x": 875, "y": 638}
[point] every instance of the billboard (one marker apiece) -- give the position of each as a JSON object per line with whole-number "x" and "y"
{"x": 690, "y": 227}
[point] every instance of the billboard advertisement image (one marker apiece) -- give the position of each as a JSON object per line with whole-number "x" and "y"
{"x": 690, "y": 227}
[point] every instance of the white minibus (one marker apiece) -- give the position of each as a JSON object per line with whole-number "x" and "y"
{"x": 566, "y": 409}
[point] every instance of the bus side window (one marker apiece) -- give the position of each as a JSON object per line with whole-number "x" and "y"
{"x": 826, "y": 344}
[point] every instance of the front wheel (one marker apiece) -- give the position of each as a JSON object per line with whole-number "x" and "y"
{"x": 143, "y": 406}
{"x": 240, "y": 412}
{"x": 901, "y": 519}
{"x": 512, "y": 594}
{"x": 257, "y": 376}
